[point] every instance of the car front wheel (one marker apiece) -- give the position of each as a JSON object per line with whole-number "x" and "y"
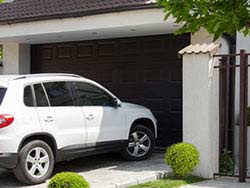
{"x": 36, "y": 163}
{"x": 140, "y": 145}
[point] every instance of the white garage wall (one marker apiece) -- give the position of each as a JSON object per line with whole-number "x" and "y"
{"x": 108, "y": 25}
{"x": 16, "y": 58}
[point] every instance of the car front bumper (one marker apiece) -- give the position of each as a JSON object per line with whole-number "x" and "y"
{"x": 8, "y": 160}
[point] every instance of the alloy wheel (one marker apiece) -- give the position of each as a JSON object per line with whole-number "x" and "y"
{"x": 37, "y": 162}
{"x": 139, "y": 144}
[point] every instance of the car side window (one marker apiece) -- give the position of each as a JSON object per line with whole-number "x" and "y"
{"x": 90, "y": 95}
{"x": 40, "y": 96}
{"x": 59, "y": 94}
{"x": 28, "y": 97}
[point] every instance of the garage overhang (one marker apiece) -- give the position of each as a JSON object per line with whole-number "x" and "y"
{"x": 109, "y": 25}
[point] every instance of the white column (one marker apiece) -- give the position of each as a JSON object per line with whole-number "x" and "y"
{"x": 16, "y": 58}
{"x": 201, "y": 110}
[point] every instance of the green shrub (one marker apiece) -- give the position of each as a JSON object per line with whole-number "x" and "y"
{"x": 182, "y": 158}
{"x": 68, "y": 180}
{"x": 226, "y": 163}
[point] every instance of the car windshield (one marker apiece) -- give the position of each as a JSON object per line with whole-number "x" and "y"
{"x": 2, "y": 93}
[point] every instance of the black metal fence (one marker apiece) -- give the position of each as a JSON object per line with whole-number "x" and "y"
{"x": 233, "y": 91}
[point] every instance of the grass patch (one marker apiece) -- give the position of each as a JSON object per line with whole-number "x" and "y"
{"x": 170, "y": 182}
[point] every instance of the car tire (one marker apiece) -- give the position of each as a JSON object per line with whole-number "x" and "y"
{"x": 140, "y": 145}
{"x": 35, "y": 163}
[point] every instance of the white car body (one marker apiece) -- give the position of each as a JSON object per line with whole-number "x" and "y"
{"x": 68, "y": 126}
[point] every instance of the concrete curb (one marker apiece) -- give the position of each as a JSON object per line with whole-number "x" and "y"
{"x": 158, "y": 175}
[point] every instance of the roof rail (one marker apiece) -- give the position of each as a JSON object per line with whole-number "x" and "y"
{"x": 46, "y": 74}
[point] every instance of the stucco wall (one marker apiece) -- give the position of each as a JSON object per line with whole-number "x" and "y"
{"x": 108, "y": 25}
{"x": 16, "y": 58}
{"x": 200, "y": 110}
{"x": 201, "y": 103}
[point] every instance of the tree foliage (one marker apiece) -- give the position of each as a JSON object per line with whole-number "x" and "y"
{"x": 216, "y": 16}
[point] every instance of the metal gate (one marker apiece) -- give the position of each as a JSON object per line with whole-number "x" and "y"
{"x": 234, "y": 115}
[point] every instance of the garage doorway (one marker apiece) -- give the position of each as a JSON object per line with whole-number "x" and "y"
{"x": 143, "y": 70}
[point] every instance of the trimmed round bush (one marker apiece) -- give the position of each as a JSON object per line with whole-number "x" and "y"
{"x": 68, "y": 180}
{"x": 182, "y": 158}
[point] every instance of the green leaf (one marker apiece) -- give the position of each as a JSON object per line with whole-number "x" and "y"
{"x": 216, "y": 16}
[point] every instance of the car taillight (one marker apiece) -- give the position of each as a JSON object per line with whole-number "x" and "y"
{"x": 5, "y": 120}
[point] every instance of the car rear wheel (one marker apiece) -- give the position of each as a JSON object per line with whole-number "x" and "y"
{"x": 36, "y": 163}
{"x": 140, "y": 145}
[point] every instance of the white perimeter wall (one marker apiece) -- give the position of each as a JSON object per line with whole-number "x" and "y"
{"x": 201, "y": 103}
{"x": 200, "y": 110}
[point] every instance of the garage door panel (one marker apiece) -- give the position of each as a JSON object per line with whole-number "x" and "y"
{"x": 142, "y": 70}
{"x": 107, "y": 49}
{"x": 158, "y": 106}
{"x": 47, "y": 53}
{"x": 153, "y": 75}
{"x": 175, "y": 76}
{"x": 107, "y": 76}
{"x": 176, "y": 120}
{"x": 128, "y": 91}
{"x": 175, "y": 106}
{"x": 84, "y": 50}
{"x": 128, "y": 73}
{"x": 150, "y": 91}
{"x": 173, "y": 90}
{"x": 130, "y": 47}
{"x": 64, "y": 52}
{"x": 153, "y": 46}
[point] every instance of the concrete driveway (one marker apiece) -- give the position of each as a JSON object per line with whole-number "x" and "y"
{"x": 102, "y": 171}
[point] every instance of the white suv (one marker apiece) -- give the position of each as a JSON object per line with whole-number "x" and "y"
{"x": 46, "y": 118}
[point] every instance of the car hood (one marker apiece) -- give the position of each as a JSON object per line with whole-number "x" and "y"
{"x": 132, "y": 106}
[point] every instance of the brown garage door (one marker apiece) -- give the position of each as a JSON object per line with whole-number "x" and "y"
{"x": 143, "y": 70}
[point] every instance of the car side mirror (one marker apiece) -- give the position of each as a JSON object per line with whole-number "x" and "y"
{"x": 115, "y": 102}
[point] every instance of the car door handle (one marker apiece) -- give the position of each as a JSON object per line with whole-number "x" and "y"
{"x": 48, "y": 119}
{"x": 90, "y": 117}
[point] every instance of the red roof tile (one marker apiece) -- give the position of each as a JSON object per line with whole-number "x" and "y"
{"x": 200, "y": 48}
{"x": 32, "y": 10}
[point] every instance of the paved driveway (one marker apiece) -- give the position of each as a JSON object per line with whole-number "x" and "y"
{"x": 102, "y": 171}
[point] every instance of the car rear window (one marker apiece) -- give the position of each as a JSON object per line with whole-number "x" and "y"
{"x": 41, "y": 99}
{"x": 2, "y": 94}
{"x": 28, "y": 97}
